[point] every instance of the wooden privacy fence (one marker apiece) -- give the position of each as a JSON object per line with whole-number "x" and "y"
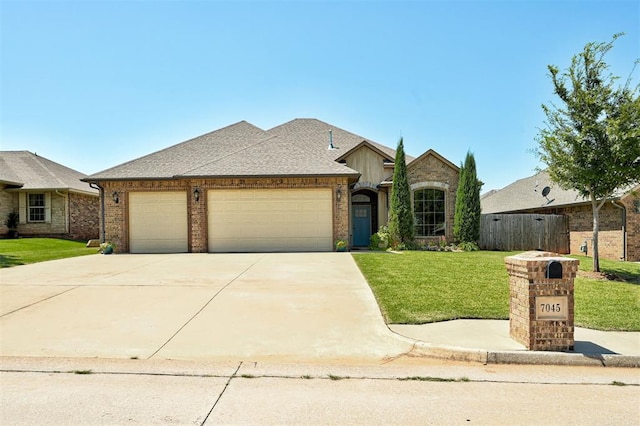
{"x": 524, "y": 232}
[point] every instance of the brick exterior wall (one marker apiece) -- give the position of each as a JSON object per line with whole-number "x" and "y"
{"x": 56, "y": 228}
{"x": 73, "y": 216}
{"x": 610, "y": 236}
{"x": 632, "y": 204}
{"x": 8, "y": 204}
{"x": 437, "y": 174}
{"x": 526, "y": 282}
{"x": 84, "y": 214}
{"x": 117, "y": 215}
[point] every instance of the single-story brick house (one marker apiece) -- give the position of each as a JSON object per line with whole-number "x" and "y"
{"x": 619, "y": 230}
{"x": 300, "y": 186}
{"x": 50, "y": 198}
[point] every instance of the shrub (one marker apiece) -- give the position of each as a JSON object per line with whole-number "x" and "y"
{"x": 12, "y": 221}
{"x": 381, "y": 239}
{"x": 468, "y": 246}
{"x": 408, "y": 245}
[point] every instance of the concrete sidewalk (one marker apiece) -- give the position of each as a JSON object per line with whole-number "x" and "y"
{"x": 488, "y": 341}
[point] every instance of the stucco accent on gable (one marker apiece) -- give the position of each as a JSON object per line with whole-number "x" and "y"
{"x": 364, "y": 144}
{"x": 432, "y": 153}
{"x": 366, "y": 185}
{"x": 429, "y": 184}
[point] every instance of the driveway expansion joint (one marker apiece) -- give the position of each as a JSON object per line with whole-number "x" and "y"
{"x": 204, "y": 306}
{"x": 221, "y": 393}
{"x": 40, "y": 301}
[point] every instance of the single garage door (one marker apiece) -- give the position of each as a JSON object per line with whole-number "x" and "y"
{"x": 158, "y": 222}
{"x": 268, "y": 220}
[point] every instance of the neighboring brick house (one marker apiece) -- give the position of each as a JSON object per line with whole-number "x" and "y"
{"x": 619, "y": 226}
{"x": 297, "y": 187}
{"x": 50, "y": 198}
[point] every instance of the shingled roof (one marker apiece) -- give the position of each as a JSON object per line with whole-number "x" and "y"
{"x": 28, "y": 171}
{"x": 297, "y": 148}
{"x": 526, "y": 194}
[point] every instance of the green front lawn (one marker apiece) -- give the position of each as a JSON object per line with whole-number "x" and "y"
{"x": 417, "y": 287}
{"x": 22, "y": 251}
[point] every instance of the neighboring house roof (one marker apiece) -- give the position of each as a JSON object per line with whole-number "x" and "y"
{"x": 28, "y": 171}
{"x": 527, "y": 194}
{"x": 297, "y": 148}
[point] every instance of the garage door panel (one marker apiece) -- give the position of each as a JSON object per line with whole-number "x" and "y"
{"x": 158, "y": 222}
{"x": 270, "y": 220}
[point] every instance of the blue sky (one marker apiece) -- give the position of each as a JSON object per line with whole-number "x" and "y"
{"x": 92, "y": 84}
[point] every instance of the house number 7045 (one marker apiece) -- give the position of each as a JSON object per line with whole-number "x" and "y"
{"x": 552, "y": 308}
{"x": 549, "y": 307}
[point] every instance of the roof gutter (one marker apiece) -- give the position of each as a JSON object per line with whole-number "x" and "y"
{"x": 33, "y": 189}
{"x": 102, "y": 224}
{"x": 624, "y": 228}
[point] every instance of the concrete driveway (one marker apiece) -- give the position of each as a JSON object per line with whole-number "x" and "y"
{"x": 297, "y": 306}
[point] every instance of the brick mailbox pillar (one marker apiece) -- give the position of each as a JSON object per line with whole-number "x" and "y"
{"x": 541, "y": 300}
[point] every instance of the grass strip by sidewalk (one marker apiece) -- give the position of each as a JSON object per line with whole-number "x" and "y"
{"x": 22, "y": 251}
{"x": 417, "y": 287}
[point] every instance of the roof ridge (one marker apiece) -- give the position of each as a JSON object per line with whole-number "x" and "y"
{"x": 363, "y": 139}
{"x": 176, "y": 145}
{"x": 46, "y": 167}
{"x": 229, "y": 154}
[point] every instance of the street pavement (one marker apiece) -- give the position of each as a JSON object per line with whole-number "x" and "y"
{"x": 405, "y": 391}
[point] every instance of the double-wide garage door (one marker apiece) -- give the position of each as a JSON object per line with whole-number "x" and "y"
{"x": 267, "y": 220}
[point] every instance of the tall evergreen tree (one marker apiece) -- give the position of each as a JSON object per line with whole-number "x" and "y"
{"x": 401, "y": 223}
{"x": 460, "y": 202}
{"x": 466, "y": 223}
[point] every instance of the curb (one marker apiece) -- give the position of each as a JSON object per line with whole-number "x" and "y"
{"x": 531, "y": 357}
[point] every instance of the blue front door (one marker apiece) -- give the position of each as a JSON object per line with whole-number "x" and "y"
{"x": 361, "y": 225}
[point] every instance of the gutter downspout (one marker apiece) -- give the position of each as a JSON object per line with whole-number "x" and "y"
{"x": 102, "y": 227}
{"x": 66, "y": 210}
{"x": 624, "y": 229}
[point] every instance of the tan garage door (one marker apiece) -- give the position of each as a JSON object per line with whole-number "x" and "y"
{"x": 267, "y": 220}
{"x": 158, "y": 222}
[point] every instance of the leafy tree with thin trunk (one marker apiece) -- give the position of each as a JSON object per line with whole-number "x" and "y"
{"x": 401, "y": 225}
{"x": 591, "y": 142}
{"x": 466, "y": 222}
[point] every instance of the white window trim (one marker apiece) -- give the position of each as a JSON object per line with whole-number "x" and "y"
{"x": 430, "y": 185}
{"x": 23, "y": 207}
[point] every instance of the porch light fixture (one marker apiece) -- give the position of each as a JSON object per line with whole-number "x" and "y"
{"x": 339, "y": 193}
{"x": 196, "y": 194}
{"x": 116, "y": 197}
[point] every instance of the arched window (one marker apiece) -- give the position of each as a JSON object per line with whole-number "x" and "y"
{"x": 428, "y": 209}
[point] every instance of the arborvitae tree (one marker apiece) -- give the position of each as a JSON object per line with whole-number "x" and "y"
{"x": 460, "y": 201}
{"x": 592, "y": 140}
{"x": 401, "y": 225}
{"x": 466, "y": 223}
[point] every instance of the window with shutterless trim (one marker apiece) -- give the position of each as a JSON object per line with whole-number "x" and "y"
{"x": 36, "y": 207}
{"x": 429, "y": 212}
